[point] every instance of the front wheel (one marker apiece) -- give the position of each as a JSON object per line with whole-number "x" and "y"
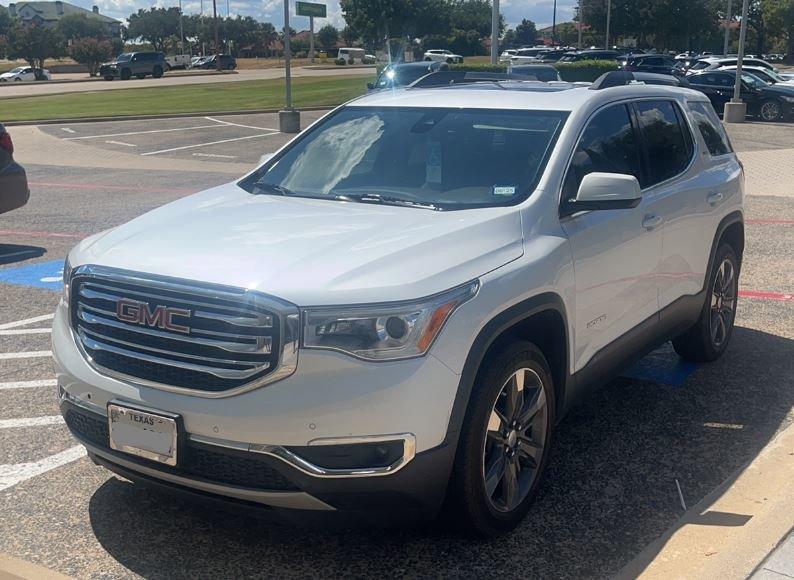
{"x": 504, "y": 441}
{"x": 709, "y": 337}
{"x": 770, "y": 110}
{"x": 126, "y": 74}
{"x": 108, "y": 77}
{"x": 157, "y": 72}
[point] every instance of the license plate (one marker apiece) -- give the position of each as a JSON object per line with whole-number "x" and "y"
{"x": 143, "y": 433}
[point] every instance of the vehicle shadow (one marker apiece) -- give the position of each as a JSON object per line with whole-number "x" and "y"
{"x": 13, "y": 253}
{"x": 610, "y": 491}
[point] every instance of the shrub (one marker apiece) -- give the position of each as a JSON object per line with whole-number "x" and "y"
{"x": 584, "y": 70}
{"x": 479, "y": 67}
{"x": 340, "y": 62}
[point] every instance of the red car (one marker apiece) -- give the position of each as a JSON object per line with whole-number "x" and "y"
{"x": 14, "y": 190}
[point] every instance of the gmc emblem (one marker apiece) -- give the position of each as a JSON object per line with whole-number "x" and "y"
{"x": 140, "y": 313}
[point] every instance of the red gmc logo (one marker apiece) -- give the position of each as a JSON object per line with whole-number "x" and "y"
{"x": 160, "y": 317}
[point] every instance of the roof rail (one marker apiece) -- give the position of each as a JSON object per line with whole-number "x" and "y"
{"x": 615, "y": 78}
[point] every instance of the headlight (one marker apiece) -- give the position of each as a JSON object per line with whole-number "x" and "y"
{"x": 67, "y": 274}
{"x": 384, "y": 331}
{"x": 788, "y": 99}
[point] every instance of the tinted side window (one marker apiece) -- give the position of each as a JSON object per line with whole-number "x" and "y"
{"x": 608, "y": 145}
{"x": 665, "y": 140}
{"x": 710, "y": 127}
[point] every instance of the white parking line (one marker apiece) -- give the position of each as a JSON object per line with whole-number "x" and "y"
{"x": 140, "y": 132}
{"x": 67, "y": 130}
{"x": 27, "y": 321}
{"x": 214, "y": 155}
{"x": 208, "y": 144}
{"x": 239, "y": 125}
{"x": 31, "y": 422}
{"x": 13, "y": 474}
{"x": 28, "y": 384}
{"x": 120, "y": 143}
{"x": 31, "y": 354}
{"x": 25, "y": 331}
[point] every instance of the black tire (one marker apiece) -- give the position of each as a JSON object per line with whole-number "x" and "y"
{"x": 428, "y": 59}
{"x": 126, "y": 74}
{"x": 109, "y": 77}
{"x": 770, "y": 110}
{"x": 140, "y": 75}
{"x": 482, "y": 512}
{"x": 157, "y": 72}
{"x": 709, "y": 337}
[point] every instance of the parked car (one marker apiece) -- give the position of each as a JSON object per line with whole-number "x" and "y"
{"x": 769, "y": 76}
{"x": 403, "y": 74}
{"x": 591, "y": 55}
{"x": 14, "y": 192}
{"x": 25, "y": 73}
{"x": 227, "y": 62}
{"x": 351, "y": 55}
{"x": 767, "y": 102}
{"x": 139, "y": 64}
{"x": 541, "y": 72}
{"x": 622, "y": 77}
{"x": 713, "y": 63}
{"x": 196, "y": 60}
{"x": 507, "y": 55}
{"x": 651, "y": 63}
{"x": 528, "y": 55}
{"x": 553, "y": 55}
{"x": 399, "y": 306}
{"x": 177, "y": 61}
{"x": 442, "y": 55}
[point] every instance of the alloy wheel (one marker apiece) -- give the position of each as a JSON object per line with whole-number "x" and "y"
{"x": 723, "y": 303}
{"x": 515, "y": 440}
{"x": 770, "y": 111}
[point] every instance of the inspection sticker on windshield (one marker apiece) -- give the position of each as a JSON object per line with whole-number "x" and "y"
{"x": 433, "y": 162}
{"x": 504, "y": 190}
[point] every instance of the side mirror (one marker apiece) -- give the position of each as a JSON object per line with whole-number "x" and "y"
{"x": 370, "y": 86}
{"x": 607, "y": 191}
{"x": 265, "y": 158}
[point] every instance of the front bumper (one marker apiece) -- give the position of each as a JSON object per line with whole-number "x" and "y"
{"x": 284, "y": 445}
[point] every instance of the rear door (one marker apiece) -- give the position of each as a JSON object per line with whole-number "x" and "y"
{"x": 616, "y": 253}
{"x": 716, "y": 86}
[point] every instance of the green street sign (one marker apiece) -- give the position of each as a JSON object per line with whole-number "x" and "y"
{"x": 310, "y": 9}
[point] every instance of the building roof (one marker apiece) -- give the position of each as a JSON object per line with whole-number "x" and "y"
{"x": 49, "y": 11}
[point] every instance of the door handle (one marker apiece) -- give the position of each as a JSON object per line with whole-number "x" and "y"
{"x": 650, "y": 222}
{"x": 714, "y": 198}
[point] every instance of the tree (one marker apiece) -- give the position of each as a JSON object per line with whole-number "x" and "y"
{"x": 91, "y": 52}
{"x": 349, "y": 35}
{"x": 328, "y": 36}
{"x": 34, "y": 44}
{"x": 6, "y": 24}
{"x": 474, "y": 15}
{"x": 156, "y": 25}
{"x": 376, "y": 20}
{"x": 526, "y": 33}
{"x": 779, "y": 15}
{"x": 74, "y": 26}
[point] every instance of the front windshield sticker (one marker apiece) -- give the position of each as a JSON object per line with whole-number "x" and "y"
{"x": 504, "y": 190}
{"x": 433, "y": 162}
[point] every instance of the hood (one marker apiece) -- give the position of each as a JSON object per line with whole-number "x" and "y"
{"x": 308, "y": 251}
{"x": 780, "y": 89}
{"x": 8, "y": 75}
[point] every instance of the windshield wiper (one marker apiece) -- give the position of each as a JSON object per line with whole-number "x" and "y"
{"x": 388, "y": 200}
{"x": 273, "y": 188}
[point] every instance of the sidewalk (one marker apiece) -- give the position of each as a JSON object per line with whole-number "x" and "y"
{"x": 741, "y": 530}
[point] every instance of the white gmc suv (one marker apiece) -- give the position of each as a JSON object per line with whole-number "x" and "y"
{"x": 396, "y": 309}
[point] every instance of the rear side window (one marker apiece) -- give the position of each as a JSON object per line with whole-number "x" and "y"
{"x": 710, "y": 128}
{"x": 667, "y": 142}
{"x": 608, "y": 145}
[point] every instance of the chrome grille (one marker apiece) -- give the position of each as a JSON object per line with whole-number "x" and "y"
{"x": 207, "y": 340}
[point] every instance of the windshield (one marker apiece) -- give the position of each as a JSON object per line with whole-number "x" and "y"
{"x": 19, "y": 69}
{"x": 752, "y": 81}
{"x": 124, "y": 56}
{"x": 701, "y": 64}
{"x": 447, "y": 158}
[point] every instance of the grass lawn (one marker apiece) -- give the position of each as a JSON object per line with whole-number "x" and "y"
{"x": 214, "y": 97}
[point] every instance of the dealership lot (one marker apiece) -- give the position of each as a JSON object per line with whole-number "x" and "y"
{"x": 611, "y": 488}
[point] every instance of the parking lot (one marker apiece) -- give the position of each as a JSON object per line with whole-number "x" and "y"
{"x": 611, "y": 488}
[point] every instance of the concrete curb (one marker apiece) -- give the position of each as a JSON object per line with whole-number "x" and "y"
{"x": 208, "y": 73}
{"x": 163, "y": 116}
{"x": 733, "y": 529}
{"x": 14, "y": 568}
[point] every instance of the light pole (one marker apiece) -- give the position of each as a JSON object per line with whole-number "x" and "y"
{"x": 726, "y": 44}
{"x": 495, "y": 32}
{"x": 181, "y": 31}
{"x": 736, "y": 109}
{"x": 554, "y": 23}
{"x": 609, "y": 16}
{"x": 289, "y": 120}
{"x": 581, "y": 23}
{"x": 217, "y": 42}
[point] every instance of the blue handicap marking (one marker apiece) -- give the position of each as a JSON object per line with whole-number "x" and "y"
{"x": 47, "y": 275}
{"x": 662, "y": 366}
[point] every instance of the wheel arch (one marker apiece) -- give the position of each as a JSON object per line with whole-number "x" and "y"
{"x": 541, "y": 320}
{"x": 730, "y": 230}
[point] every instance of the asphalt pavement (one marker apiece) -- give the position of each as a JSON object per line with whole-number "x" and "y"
{"x": 611, "y": 486}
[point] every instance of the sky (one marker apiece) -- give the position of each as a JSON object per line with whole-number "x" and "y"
{"x": 539, "y": 11}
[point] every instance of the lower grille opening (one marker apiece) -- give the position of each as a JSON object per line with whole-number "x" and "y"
{"x": 197, "y": 460}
